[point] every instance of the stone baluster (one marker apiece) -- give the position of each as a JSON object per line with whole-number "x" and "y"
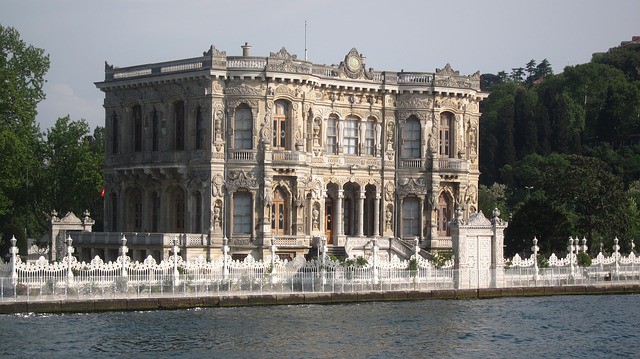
{"x": 535, "y": 250}
{"x": 225, "y": 260}
{"x": 69, "y": 257}
{"x": 616, "y": 253}
{"x": 123, "y": 253}
{"x": 176, "y": 274}
{"x": 14, "y": 258}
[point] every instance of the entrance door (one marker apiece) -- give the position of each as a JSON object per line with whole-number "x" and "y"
{"x": 328, "y": 219}
{"x": 278, "y": 214}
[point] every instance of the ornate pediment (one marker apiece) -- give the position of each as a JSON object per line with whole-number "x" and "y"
{"x": 447, "y": 71}
{"x": 415, "y": 186}
{"x": 213, "y": 52}
{"x": 353, "y": 66}
{"x": 241, "y": 179}
{"x": 283, "y": 54}
{"x": 478, "y": 219}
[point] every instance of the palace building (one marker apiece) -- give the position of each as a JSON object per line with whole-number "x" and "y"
{"x": 279, "y": 150}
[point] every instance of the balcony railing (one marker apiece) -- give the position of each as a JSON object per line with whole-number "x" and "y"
{"x": 451, "y": 165}
{"x": 412, "y": 163}
{"x": 243, "y": 155}
{"x": 289, "y": 157}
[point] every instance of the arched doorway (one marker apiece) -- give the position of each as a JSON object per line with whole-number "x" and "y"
{"x": 444, "y": 214}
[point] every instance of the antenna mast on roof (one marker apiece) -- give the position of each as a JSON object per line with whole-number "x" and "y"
{"x": 305, "y": 40}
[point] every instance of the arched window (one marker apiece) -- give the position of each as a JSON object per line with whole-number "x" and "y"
{"x": 134, "y": 210}
{"x": 410, "y": 217}
{"x": 279, "y": 213}
{"x": 179, "y": 211}
{"x": 243, "y": 128}
{"x": 444, "y": 214}
{"x": 137, "y": 128}
{"x": 242, "y": 213}
{"x": 332, "y": 135}
{"x": 197, "y": 197}
{"x": 199, "y": 125}
{"x": 113, "y": 198}
{"x": 370, "y": 138}
{"x": 155, "y": 134}
{"x": 280, "y": 125}
{"x": 446, "y": 134}
{"x": 114, "y": 133}
{"x": 155, "y": 211}
{"x": 351, "y": 136}
{"x": 179, "y": 125}
{"x": 411, "y": 138}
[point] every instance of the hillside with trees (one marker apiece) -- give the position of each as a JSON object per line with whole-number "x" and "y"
{"x": 560, "y": 154}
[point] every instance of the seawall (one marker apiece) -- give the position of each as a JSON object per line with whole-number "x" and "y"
{"x": 239, "y": 300}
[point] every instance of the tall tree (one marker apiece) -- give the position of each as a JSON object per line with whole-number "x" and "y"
{"x": 74, "y": 170}
{"x": 22, "y": 71}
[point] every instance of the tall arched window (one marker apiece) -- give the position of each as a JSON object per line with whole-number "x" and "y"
{"x": 351, "y": 136}
{"x": 134, "y": 210}
{"x": 179, "y": 211}
{"x": 155, "y": 134}
{"x": 199, "y": 125}
{"x": 280, "y": 125}
{"x": 137, "y": 128}
{"x": 332, "y": 134}
{"x": 411, "y": 138}
{"x": 197, "y": 197}
{"x": 444, "y": 214}
{"x": 243, "y": 128}
{"x": 410, "y": 217}
{"x": 446, "y": 134}
{"x": 279, "y": 211}
{"x": 113, "y": 199}
{"x": 370, "y": 138}
{"x": 242, "y": 213}
{"x": 179, "y": 125}
{"x": 114, "y": 133}
{"x": 155, "y": 211}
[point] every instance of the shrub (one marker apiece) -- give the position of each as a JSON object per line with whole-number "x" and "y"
{"x": 584, "y": 260}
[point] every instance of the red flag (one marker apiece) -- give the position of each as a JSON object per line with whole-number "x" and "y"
{"x": 102, "y": 193}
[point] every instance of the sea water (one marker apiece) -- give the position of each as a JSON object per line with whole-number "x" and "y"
{"x": 598, "y": 326}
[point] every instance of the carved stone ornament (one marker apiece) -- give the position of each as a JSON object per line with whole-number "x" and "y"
{"x": 216, "y": 186}
{"x": 283, "y": 54}
{"x": 213, "y": 52}
{"x": 415, "y": 186}
{"x": 447, "y": 71}
{"x": 243, "y": 89}
{"x": 353, "y": 66}
{"x": 241, "y": 179}
{"x": 416, "y": 103}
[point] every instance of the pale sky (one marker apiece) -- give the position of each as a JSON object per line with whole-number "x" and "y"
{"x": 417, "y": 35}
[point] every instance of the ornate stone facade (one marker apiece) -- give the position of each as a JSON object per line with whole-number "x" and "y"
{"x": 264, "y": 149}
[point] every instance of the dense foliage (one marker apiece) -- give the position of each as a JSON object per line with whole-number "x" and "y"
{"x": 560, "y": 154}
{"x": 60, "y": 170}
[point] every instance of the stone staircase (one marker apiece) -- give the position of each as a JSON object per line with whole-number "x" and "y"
{"x": 336, "y": 251}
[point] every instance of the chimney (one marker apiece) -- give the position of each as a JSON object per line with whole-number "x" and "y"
{"x": 245, "y": 49}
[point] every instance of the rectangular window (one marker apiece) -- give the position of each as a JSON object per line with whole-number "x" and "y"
{"x": 410, "y": 217}
{"x": 351, "y": 137}
{"x": 243, "y": 129}
{"x": 242, "y": 213}
{"x": 369, "y": 139}
{"x": 332, "y": 138}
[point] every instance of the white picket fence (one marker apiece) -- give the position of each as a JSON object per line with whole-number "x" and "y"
{"x": 69, "y": 278}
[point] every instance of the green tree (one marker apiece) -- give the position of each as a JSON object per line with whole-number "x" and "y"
{"x": 74, "y": 170}
{"x": 22, "y": 71}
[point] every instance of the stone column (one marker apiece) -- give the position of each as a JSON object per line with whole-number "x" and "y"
{"x": 360, "y": 228}
{"x": 399, "y": 233}
{"x": 421, "y": 219}
{"x": 376, "y": 214}
{"x": 339, "y": 214}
